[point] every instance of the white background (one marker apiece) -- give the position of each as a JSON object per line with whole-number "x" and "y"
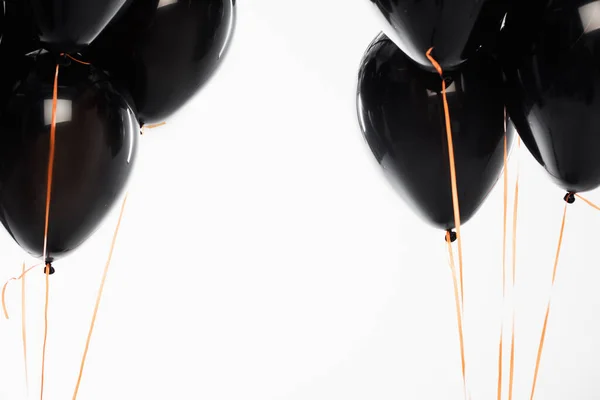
{"x": 263, "y": 256}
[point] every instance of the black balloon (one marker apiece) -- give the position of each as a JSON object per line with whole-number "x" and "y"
{"x": 19, "y": 32}
{"x": 551, "y": 57}
{"x": 164, "y": 53}
{"x": 96, "y": 141}
{"x": 401, "y": 115}
{"x": 69, "y": 25}
{"x": 454, "y": 28}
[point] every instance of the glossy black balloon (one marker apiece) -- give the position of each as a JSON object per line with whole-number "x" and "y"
{"x": 70, "y": 25}
{"x": 401, "y": 114}
{"x": 454, "y": 28}
{"x": 96, "y": 141}
{"x": 163, "y": 54}
{"x": 551, "y": 57}
{"x": 19, "y": 32}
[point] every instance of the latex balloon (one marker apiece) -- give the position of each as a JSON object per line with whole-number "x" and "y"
{"x": 401, "y": 114}
{"x": 96, "y": 141}
{"x": 69, "y": 25}
{"x": 454, "y": 28}
{"x": 551, "y": 57}
{"x": 19, "y": 33}
{"x": 2, "y": 19}
{"x": 163, "y": 52}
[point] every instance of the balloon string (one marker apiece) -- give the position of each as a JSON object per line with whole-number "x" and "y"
{"x": 152, "y": 126}
{"x": 74, "y": 59}
{"x": 500, "y": 347}
{"x": 588, "y": 202}
{"x": 47, "y": 273}
{"x": 511, "y": 372}
{"x": 23, "y": 324}
{"x": 98, "y": 298}
{"x": 23, "y": 315}
{"x": 20, "y": 277}
{"x": 50, "y": 161}
{"x": 47, "y": 219}
{"x": 455, "y": 203}
{"x": 543, "y": 335}
{"x": 459, "y": 319}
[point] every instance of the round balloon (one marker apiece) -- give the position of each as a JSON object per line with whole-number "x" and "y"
{"x": 19, "y": 32}
{"x": 164, "y": 51}
{"x": 69, "y": 25}
{"x": 401, "y": 114}
{"x": 551, "y": 59}
{"x": 95, "y": 150}
{"x": 454, "y": 28}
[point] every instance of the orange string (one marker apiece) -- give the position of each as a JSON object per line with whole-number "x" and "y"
{"x": 458, "y": 312}
{"x": 452, "y": 172}
{"x": 152, "y": 126}
{"x": 47, "y": 272}
{"x": 76, "y": 60}
{"x": 500, "y": 347}
{"x": 23, "y": 325}
{"x": 98, "y": 298}
{"x": 47, "y": 219}
{"x": 514, "y": 274}
{"x": 4, "y": 309}
{"x": 50, "y": 161}
{"x": 588, "y": 202}
{"x": 543, "y": 335}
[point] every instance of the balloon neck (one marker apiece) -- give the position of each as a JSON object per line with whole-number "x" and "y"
{"x": 49, "y": 269}
{"x": 450, "y": 234}
{"x": 570, "y": 198}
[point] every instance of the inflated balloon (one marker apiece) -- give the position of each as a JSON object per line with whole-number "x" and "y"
{"x": 163, "y": 52}
{"x": 2, "y": 19}
{"x": 551, "y": 58}
{"x": 69, "y": 25}
{"x": 95, "y": 150}
{"x": 19, "y": 32}
{"x": 401, "y": 115}
{"x": 454, "y": 28}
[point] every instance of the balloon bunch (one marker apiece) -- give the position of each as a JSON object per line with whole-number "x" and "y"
{"x": 79, "y": 82}
{"x": 436, "y": 91}
{"x": 79, "y": 79}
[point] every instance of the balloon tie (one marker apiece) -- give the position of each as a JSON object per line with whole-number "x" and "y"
{"x": 569, "y": 198}
{"x": 98, "y": 298}
{"x": 23, "y": 316}
{"x": 452, "y": 163}
{"x": 23, "y": 325}
{"x": 459, "y": 318}
{"x": 511, "y": 372}
{"x": 589, "y": 203}
{"x": 455, "y": 203}
{"x": 451, "y": 235}
{"x": 75, "y": 59}
{"x": 20, "y": 277}
{"x": 47, "y": 219}
{"x": 151, "y": 126}
{"x": 500, "y": 347}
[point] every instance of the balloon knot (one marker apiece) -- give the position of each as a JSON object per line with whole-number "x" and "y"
{"x": 451, "y": 234}
{"x": 570, "y": 198}
{"x": 63, "y": 60}
{"x": 49, "y": 269}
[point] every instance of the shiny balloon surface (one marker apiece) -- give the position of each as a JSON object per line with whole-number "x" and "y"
{"x": 551, "y": 57}
{"x": 454, "y": 28}
{"x": 69, "y": 25}
{"x": 164, "y": 52}
{"x": 401, "y": 114}
{"x": 96, "y": 141}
